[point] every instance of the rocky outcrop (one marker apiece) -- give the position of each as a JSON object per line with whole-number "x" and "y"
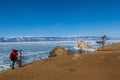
{"x": 82, "y": 44}
{"x": 59, "y": 51}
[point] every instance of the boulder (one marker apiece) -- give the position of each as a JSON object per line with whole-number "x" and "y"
{"x": 82, "y": 44}
{"x": 59, "y": 51}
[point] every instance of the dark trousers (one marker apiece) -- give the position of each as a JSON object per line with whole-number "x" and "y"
{"x": 13, "y": 63}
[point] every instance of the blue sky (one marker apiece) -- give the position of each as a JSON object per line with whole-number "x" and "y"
{"x": 60, "y": 18}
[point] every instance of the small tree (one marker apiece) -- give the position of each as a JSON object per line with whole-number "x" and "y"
{"x": 103, "y": 40}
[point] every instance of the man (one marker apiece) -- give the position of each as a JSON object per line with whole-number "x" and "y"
{"x": 14, "y": 57}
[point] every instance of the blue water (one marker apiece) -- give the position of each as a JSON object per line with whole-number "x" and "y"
{"x": 32, "y": 50}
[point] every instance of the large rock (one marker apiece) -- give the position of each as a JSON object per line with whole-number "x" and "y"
{"x": 82, "y": 44}
{"x": 59, "y": 51}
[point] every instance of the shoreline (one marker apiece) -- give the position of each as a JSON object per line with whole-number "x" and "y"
{"x": 23, "y": 64}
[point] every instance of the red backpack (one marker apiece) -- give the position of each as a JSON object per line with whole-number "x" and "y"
{"x": 13, "y": 55}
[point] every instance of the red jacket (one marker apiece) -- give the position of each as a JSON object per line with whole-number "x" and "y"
{"x": 14, "y": 54}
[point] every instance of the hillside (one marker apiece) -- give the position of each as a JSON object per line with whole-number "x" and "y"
{"x": 100, "y": 66}
{"x": 113, "y": 48}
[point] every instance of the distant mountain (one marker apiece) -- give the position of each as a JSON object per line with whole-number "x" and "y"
{"x": 36, "y": 39}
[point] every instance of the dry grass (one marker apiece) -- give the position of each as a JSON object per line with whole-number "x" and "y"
{"x": 113, "y": 47}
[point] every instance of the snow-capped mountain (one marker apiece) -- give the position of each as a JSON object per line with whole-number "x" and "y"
{"x": 34, "y": 39}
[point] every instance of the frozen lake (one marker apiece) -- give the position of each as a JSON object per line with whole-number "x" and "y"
{"x": 35, "y": 50}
